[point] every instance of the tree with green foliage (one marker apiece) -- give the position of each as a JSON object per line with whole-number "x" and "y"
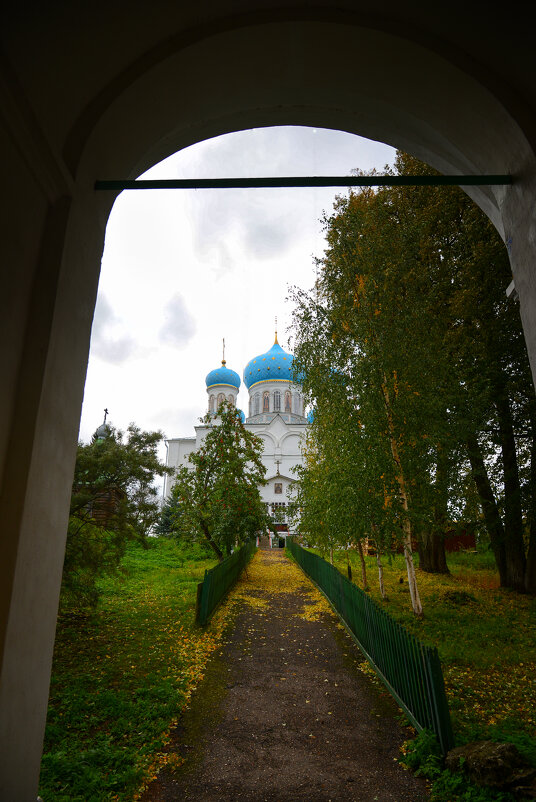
{"x": 217, "y": 495}
{"x": 409, "y": 313}
{"x": 490, "y": 392}
{"x": 168, "y": 520}
{"x": 113, "y": 500}
{"x": 333, "y": 503}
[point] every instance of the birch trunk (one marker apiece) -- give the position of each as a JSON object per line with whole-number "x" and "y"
{"x": 400, "y": 478}
{"x": 363, "y": 565}
{"x": 380, "y": 573}
{"x": 412, "y": 579}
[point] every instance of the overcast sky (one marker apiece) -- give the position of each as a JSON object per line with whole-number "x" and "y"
{"x": 183, "y": 269}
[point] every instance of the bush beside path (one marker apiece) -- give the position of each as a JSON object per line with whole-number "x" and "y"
{"x": 288, "y": 709}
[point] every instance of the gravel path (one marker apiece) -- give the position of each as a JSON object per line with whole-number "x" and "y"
{"x": 287, "y": 710}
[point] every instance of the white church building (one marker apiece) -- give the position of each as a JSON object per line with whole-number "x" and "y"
{"x": 276, "y": 414}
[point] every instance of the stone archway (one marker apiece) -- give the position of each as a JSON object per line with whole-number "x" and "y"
{"x": 107, "y": 96}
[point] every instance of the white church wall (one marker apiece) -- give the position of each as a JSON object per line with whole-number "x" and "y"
{"x": 291, "y": 444}
{"x": 275, "y": 415}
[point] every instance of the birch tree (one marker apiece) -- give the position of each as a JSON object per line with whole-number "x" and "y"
{"x": 217, "y": 495}
{"x": 409, "y": 307}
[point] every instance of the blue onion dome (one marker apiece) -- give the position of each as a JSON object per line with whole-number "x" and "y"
{"x": 242, "y": 416}
{"x": 223, "y": 375}
{"x": 275, "y": 364}
{"x": 310, "y": 416}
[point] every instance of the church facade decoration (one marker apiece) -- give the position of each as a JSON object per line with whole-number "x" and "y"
{"x": 275, "y": 413}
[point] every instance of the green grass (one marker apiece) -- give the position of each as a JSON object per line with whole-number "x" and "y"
{"x": 486, "y": 639}
{"x": 423, "y": 756}
{"x": 122, "y": 675}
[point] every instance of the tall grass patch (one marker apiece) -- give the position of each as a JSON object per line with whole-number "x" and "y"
{"x": 122, "y": 674}
{"x": 486, "y": 638}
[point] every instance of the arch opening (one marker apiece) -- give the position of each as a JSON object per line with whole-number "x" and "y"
{"x": 117, "y": 114}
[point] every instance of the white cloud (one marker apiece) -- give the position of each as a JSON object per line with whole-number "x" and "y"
{"x": 269, "y": 238}
{"x": 104, "y": 316}
{"x": 182, "y": 270}
{"x": 177, "y": 421}
{"x": 107, "y": 341}
{"x": 116, "y": 350}
{"x": 179, "y": 325}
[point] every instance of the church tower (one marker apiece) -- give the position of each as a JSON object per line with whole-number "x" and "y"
{"x": 276, "y": 417}
{"x": 223, "y": 384}
{"x": 272, "y": 387}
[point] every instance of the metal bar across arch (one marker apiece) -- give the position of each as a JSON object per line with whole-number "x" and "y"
{"x": 291, "y": 182}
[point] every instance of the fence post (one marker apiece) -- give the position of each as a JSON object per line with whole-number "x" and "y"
{"x": 218, "y": 580}
{"x": 410, "y": 670}
{"x": 204, "y": 598}
{"x": 198, "y": 601}
{"x": 440, "y": 704}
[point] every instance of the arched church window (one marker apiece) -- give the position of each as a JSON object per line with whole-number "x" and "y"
{"x": 221, "y": 399}
{"x": 256, "y": 404}
{"x": 288, "y": 401}
{"x": 266, "y": 402}
{"x": 230, "y": 399}
{"x": 277, "y": 401}
{"x": 212, "y": 403}
{"x": 297, "y": 404}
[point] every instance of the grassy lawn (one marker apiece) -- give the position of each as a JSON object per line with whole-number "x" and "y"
{"x": 486, "y": 638}
{"x": 121, "y": 676}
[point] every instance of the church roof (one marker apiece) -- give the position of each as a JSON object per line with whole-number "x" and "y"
{"x": 275, "y": 364}
{"x": 102, "y": 432}
{"x": 223, "y": 375}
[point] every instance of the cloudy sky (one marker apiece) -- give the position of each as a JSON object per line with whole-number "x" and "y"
{"x": 183, "y": 269}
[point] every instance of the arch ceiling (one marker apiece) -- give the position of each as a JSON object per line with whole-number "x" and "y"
{"x": 123, "y": 89}
{"x": 318, "y": 72}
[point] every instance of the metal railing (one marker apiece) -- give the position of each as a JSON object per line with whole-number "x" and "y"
{"x": 218, "y": 580}
{"x": 410, "y": 670}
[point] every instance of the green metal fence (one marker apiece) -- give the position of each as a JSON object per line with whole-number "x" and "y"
{"x": 410, "y": 670}
{"x": 219, "y": 579}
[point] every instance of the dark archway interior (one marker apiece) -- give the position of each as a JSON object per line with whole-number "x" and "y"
{"x": 108, "y": 89}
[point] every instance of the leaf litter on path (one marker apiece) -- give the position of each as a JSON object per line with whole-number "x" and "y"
{"x": 294, "y": 718}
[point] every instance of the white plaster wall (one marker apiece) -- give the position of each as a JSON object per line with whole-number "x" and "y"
{"x": 177, "y": 454}
{"x": 281, "y": 442}
{"x": 268, "y": 493}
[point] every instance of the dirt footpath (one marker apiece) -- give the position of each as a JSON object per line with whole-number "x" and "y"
{"x": 287, "y": 710}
